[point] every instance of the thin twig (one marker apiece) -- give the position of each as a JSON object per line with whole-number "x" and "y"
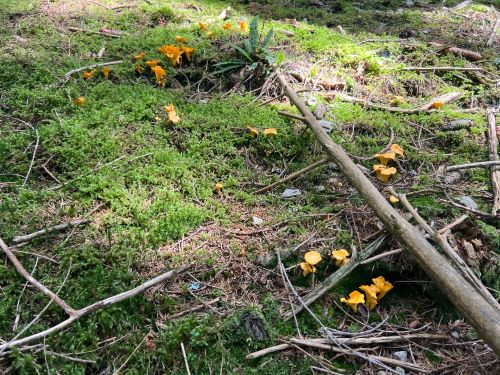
{"x": 493, "y": 156}
{"x": 55, "y": 228}
{"x": 480, "y": 164}
{"x": 185, "y": 359}
{"x": 77, "y": 70}
{"x": 380, "y": 256}
{"x": 291, "y": 115}
{"x": 42, "y": 288}
{"x": 294, "y": 175}
{"x": 96, "y": 306}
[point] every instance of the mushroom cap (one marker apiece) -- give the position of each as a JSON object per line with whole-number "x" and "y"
{"x": 270, "y": 132}
{"x": 397, "y": 149}
{"x": 386, "y": 157}
{"x": 307, "y": 268}
{"x": 152, "y": 63}
{"x": 354, "y": 299}
{"x": 254, "y": 132}
{"x": 383, "y": 285}
{"x": 393, "y": 199}
{"x": 388, "y": 171}
{"x": 312, "y": 257}
{"x": 340, "y": 254}
{"x": 370, "y": 290}
{"x": 180, "y": 39}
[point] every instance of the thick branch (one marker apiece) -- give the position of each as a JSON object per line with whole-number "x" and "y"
{"x": 94, "y": 307}
{"x": 484, "y": 317}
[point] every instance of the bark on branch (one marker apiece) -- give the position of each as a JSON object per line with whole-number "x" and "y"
{"x": 484, "y": 317}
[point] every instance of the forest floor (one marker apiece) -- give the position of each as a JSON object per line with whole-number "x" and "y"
{"x": 147, "y": 186}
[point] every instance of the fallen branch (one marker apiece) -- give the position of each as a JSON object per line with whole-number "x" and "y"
{"x": 78, "y": 314}
{"x": 479, "y": 311}
{"x": 55, "y": 228}
{"x": 78, "y": 70}
{"x": 294, "y": 175}
{"x": 494, "y": 29}
{"x": 380, "y": 256}
{"x": 493, "y": 155}
{"x": 77, "y": 29}
{"x": 480, "y": 164}
{"x": 42, "y": 288}
{"x": 337, "y": 276}
{"x": 352, "y": 341}
{"x": 441, "y": 239}
{"x": 460, "y": 52}
{"x": 427, "y": 107}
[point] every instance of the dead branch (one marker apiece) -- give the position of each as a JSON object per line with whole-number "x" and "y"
{"x": 55, "y": 228}
{"x": 352, "y": 341}
{"x": 79, "y": 30}
{"x": 78, "y": 314}
{"x": 454, "y": 258}
{"x": 42, "y": 288}
{"x": 294, "y": 175}
{"x": 493, "y": 155}
{"x": 380, "y": 256}
{"x": 193, "y": 309}
{"x": 479, "y": 164}
{"x": 338, "y": 276}
{"x": 427, "y": 107}
{"x": 460, "y": 52}
{"x": 493, "y": 32}
{"x": 478, "y": 310}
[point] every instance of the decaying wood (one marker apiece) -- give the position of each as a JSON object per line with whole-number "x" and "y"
{"x": 478, "y": 310}
{"x": 43, "y": 232}
{"x": 493, "y": 33}
{"x": 427, "y": 107}
{"x": 338, "y": 276}
{"x": 460, "y": 52}
{"x": 493, "y": 155}
{"x": 74, "y": 314}
{"x": 77, "y": 29}
{"x": 294, "y": 175}
{"x": 479, "y": 164}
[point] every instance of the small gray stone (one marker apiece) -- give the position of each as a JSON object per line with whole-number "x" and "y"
{"x": 289, "y": 193}
{"x": 311, "y": 100}
{"x": 320, "y": 188}
{"x": 458, "y": 124}
{"x": 326, "y": 125}
{"x": 381, "y": 373}
{"x": 400, "y": 370}
{"x": 468, "y": 202}
{"x": 401, "y": 355}
{"x": 257, "y": 221}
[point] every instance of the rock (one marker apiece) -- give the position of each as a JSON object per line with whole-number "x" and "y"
{"x": 400, "y": 370}
{"x": 320, "y": 188}
{"x": 289, "y": 193}
{"x": 401, "y": 355}
{"x": 311, "y": 100}
{"x": 452, "y": 177}
{"x": 410, "y": 3}
{"x": 458, "y": 124}
{"x": 254, "y": 326}
{"x": 326, "y": 125}
{"x": 468, "y": 202}
{"x": 257, "y": 221}
{"x": 288, "y": 33}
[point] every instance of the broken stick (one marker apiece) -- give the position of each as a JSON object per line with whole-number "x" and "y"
{"x": 55, "y": 228}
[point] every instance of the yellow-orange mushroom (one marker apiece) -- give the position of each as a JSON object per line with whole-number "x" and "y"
{"x": 355, "y": 298}
{"x": 383, "y": 172}
{"x": 270, "y": 132}
{"x": 188, "y": 51}
{"x": 393, "y": 199}
{"x": 341, "y": 257}
{"x": 218, "y": 187}
{"x": 180, "y": 39}
{"x": 202, "y": 26}
{"x": 88, "y": 74}
{"x": 307, "y": 268}
{"x": 227, "y": 26}
{"x": 397, "y": 149}
{"x": 312, "y": 257}
{"x": 172, "y": 53}
{"x": 383, "y": 285}
{"x": 152, "y": 63}
{"x": 243, "y": 26}
{"x": 371, "y": 295}
{"x": 139, "y": 56}
{"x": 105, "y": 71}
{"x": 254, "y": 132}
{"x": 160, "y": 74}
{"x": 172, "y": 115}
{"x": 80, "y": 101}
{"x": 386, "y": 157}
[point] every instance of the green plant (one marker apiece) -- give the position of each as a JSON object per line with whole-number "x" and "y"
{"x": 253, "y": 50}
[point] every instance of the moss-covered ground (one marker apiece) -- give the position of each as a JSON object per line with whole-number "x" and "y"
{"x": 147, "y": 186}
